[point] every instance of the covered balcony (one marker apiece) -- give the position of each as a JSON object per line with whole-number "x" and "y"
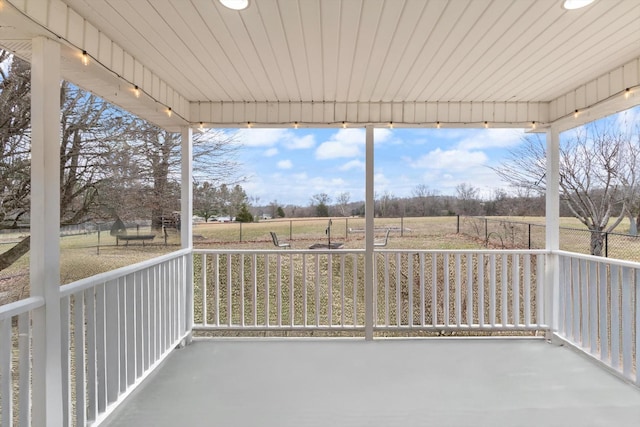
{"x": 369, "y": 336}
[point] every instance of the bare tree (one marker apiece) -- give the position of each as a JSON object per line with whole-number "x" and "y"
{"x": 467, "y": 198}
{"x": 421, "y": 194}
{"x": 595, "y": 175}
{"x": 343, "y": 203}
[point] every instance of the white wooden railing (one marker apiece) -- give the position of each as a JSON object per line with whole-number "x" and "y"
{"x": 116, "y": 327}
{"x": 599, "y": 310}
{"x": 15, "y": 361}
{"x": 413, "y": 290}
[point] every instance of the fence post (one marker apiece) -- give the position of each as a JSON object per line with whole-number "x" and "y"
{"x": 529, "y": 235}
{"x": 458, "y": 224}
{"x": 346, "y": 229}
{"x": 401, "y": 226}
{"x": 486, "y": 230}
{"x": 606, "y": 245}
{"x": 290, "y": 229}
{"x": 240, "y": 232}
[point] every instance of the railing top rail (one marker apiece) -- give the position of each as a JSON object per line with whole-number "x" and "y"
{"x": 275, "y": 251}
{"x": 7, "y": 311}
{"x": 599, "y": 259}
{"x": 324, "y": 251}
{"x": 89, "y": 282}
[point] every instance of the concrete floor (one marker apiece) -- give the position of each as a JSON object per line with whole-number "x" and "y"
{"x": 386, "y": 383}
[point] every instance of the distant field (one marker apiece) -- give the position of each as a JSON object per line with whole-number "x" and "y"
{"x": 81, "y": 256}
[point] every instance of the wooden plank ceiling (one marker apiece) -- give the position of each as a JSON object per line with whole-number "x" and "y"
{"x": 372, "y": 51}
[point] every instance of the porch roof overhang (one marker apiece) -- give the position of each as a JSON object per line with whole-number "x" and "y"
{"x": 328, "y": 62}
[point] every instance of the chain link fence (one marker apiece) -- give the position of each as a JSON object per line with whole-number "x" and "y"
{"x": 508, "y": 234}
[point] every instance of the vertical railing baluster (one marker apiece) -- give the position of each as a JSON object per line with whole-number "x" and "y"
{"x": 481, "y": 302}
{"x": 241, "y": 284}
{"x": 65, "y": 335}
{"x": 101, "y": 352}
{"x": 458, "y": 288}
{"x": 267, "y": 309}
{"x": 615, "y": 317}
{"x": 79, "y": 358}
{"x": 627, "y": 322}
{"x": 216, "y": 284}
{"x": 585, "y": 334}
{"x": 470, "y": 286}
{"x": 305, "y": 309}
{"x": 504, "y": 297}
{"x": 527, "y": 290}
{"x": 434, "y": 289}
{"x": 492, "y": 290}
{"x": 423, "y": 300}
{"x": 203, "y": 287}
{"x": 540, "y": 268}
{"x": 6, "y": 384}
{"x": 593, "y": 307}
{"x": 342, "y": 289}
{"x": 575, "y": 300}
{"x": 24, "y": 350}
{"x": 254, "y": 289}
{"x": 515, "y": 279}
{"x": 355, "y": 289}
{"x": 317, "y": 285}
{"x": 410, "y": 288}
{"x": 330, "y": 289}
{"x": 446, "y": 282}
{"x": 387, "y": 307}
{"x": 398, "y": 289}
{"x": 279, "y": 290}
{"x": 229, "y": 289}
{"x": 292, "y": 284}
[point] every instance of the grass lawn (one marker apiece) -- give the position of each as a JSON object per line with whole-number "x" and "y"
{"x": 81, "y": 256}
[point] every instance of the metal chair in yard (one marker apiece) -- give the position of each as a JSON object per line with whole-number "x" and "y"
{"x": 277, "y": 243}
{"x": 383, "y": 242}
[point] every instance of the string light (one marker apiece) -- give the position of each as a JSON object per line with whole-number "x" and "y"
{"x": 169, "y": 112}
{"x": 295, "y": 125}
{"x": 627, "y": 93}
{"x": 390, "y": 125}
{"x": 85, "y": 58}
{"x": 533, "y": 125}
{"x": 249, "y": 125}
{"x": 344, "y": 125}
{"x": 575, "y": 114}
{"x": 486, "y": 125}
{"x": 201, "y": 127}
{"x": 438, "y": 125}
{"x": 136, "y": 91}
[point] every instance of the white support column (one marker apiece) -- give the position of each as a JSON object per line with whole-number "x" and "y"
{"x": 552, "y": 215}
{"x": 369, "y": 234}
{"x": 45, "y": 231}
{"x": 186, "y": 220}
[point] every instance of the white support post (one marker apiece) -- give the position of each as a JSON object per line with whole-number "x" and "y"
{"x": 369, "y": 234}
{"x": 45, "y": 231}
{"x": 552, "y": 277}
{"x": 186, "y": 222}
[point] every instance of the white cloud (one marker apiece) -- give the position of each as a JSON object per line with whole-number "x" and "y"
{"x": 271, "y": 152}
{"x": 344, "y": 143}
{"x": 353, "y": 164}
{"x": 261, "y": 137}
{"x": 285, "y": 164}
{"x": 450, "y": 160}
{"x": 492, "y": 138}
{"x": 295, "y": 143}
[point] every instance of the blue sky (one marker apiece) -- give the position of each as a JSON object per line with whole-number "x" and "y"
{"x": 291, "y": 165}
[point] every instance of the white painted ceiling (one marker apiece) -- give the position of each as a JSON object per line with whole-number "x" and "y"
{"x": 371, "y": 51}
